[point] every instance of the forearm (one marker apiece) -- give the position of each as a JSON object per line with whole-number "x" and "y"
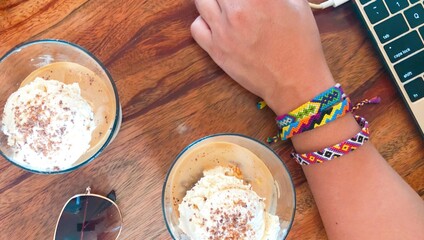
{"x": 262, "y": 45}
{"x": 359, "y": 196}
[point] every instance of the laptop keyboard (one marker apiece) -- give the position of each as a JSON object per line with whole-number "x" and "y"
{"x": 399, "y": 28}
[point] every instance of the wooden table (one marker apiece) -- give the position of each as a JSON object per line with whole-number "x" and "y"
{"x": 172, "y": 93}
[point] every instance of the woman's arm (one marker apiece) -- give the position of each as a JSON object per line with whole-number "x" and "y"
{"x": 273, "y": 49}
{"x": 359, "y": 196}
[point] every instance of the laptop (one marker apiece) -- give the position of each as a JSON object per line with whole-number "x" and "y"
{"x": 397, "y": 30}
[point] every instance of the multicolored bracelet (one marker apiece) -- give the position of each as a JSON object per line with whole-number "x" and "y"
{"x": 337, "y": 150}
{"x": 323, "y": 101}
{"x": 324, "y": 108}
{"x": 314, "y": 121}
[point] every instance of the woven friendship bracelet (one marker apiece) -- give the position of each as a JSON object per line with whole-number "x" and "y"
{"x": 319, "y": 103}
{"x": 261, "y": 105}
{"x": 314, "y": 121}
{"x": 337, "y": 150}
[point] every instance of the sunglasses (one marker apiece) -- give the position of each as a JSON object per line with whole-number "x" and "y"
{"x": 89, "y": 217}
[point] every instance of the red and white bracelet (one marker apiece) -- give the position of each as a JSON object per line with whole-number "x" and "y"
{"x": 337, "y": 150}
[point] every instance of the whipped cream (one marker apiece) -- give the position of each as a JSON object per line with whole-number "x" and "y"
{"x": 222, "y": 206}
{"x": 48, "y": 125}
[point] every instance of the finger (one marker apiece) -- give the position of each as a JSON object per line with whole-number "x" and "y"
{"x": 209, "y": 10}
{"x": 231, "y": 6}
{"x": 201, "y": 33}
{"x": 225, "y": 4}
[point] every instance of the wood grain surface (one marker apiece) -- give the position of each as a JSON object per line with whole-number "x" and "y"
{"x": 172, "y": 93}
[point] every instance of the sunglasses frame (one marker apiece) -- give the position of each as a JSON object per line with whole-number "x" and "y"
{"x": 88, "y": 193}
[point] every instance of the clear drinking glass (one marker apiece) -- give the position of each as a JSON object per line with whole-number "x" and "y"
{"x": 21, "y": 61}
{"x": 284, "y": 199}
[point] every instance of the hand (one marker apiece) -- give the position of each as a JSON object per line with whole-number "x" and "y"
{"x": 272, "y": 48}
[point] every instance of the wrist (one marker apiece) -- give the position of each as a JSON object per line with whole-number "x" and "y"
{"x": 327, "y": 135}
{"x": 304, "y": 86}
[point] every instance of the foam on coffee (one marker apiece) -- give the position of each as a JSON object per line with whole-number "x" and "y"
{"x": 98, "y": 93}
{"x": 189, "y": 169}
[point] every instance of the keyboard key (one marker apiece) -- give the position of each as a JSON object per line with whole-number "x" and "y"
{"x": 391, "y": 28}
{"x": 363, "y": 2}
{"x": 415, "y": 15}
{"x": 414, "y": 1}
{"x": 415, "y": 89}
{"x": 404, "y": 46}
{"x": 376, "y": 11}
{"x": 396, "y": 5}
{"x": 422, "y": 31}
{"x": 410, "y": 67}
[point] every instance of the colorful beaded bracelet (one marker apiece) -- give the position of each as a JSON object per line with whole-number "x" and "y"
{"x": 337, "y": 150}
{"x": 314, "y": 121}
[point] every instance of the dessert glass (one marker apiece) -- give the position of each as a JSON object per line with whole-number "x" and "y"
{"x": 24, "y": 59}
{"x": 283, "y": 205}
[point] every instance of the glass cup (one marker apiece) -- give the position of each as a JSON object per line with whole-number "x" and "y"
{"x": 184, "y": 173}
{"x": 31, "y": 58}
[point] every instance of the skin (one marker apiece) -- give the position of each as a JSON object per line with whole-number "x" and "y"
{"x": 263, "y": 46}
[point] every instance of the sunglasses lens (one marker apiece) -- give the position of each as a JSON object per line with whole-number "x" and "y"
{"x": 89, "y": 218}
